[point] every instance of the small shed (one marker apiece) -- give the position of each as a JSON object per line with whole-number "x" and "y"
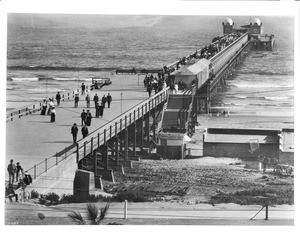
{"x": 197, "y": 73}
{"x": 241, "y": 143}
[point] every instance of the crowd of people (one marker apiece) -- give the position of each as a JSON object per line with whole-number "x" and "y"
{"x": 153, "y": 83}
{"x": 48, "y": 108}
{"x": 207, "y": 52}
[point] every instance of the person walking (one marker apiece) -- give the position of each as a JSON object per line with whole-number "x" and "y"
{"x": 51, "y": 104}
{"x": 53, "y": 113}
{"x": 11, "y": 168}
{"x": 76, "y": 100}
{"x": 19, "y": 171}
{"x": 97, "y": 113}
{"x": 44, "y": 107}
{"x": 96, "y": 99}
{"x": 83, "y": 117}
{"x": 103, "y": 100}
{"x": 58, "y": 98}
{"x": 88, "y": 100}
{"x": 149, "y": 89}
{"x": 109, "y": 99}
{"x": 84, "y": 131}
{"x": 74, "y": 132}
{"x": 83, "y": 89}
{"x": 101, "y": 110}
{"x": 88, "y": 118}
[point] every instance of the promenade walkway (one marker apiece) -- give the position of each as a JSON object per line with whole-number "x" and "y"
{"x": 31, "y": 139}
{"x": 156, "y": 213}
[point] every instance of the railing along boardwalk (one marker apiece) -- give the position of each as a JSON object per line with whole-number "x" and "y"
{"x": 29, "y": 109}
{"x": 100, "y": 136}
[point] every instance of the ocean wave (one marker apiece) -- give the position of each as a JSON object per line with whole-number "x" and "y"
{"x": 275, "y": 98}
{"x": 240, "y": 96}
{"x": 255, "y": 85}
{"x": 49, "y": 79}
{"x": 24, "y": 78}
{"x": 60, "y": 68}
{"x": 258, "y": 72}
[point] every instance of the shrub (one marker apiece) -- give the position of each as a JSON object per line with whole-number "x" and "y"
{"x": 34, "y": 194}
{"x": 52, "y": 197}
{"x": 131, "y": 197}
{"x": 256, "y": 196}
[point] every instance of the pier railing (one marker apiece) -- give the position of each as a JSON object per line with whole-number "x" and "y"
{"x": 29, "y": 109}
{"x": 100, "y": 136}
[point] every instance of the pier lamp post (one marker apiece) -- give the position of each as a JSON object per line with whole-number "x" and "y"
{"x": 121, "y": 102}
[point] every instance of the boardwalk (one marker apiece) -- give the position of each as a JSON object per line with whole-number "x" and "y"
{"x": 33, "y": 138}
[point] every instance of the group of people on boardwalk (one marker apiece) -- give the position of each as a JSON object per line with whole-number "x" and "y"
{"x": 153, "y": 83}
{"x": 51, "y": 108}
{"x": 86, "y": 115}
{"x": 16, "y": 174}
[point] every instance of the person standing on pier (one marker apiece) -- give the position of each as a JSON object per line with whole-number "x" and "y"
{"x": 88, "y": 118}
{"x": 109, "y": 99}
{"x": 103, "y": 100}
{"x": 88, "y": 100}
{"x": 101, "y": 110}
{"x": 53, "y": 113}
{"x": 83, "y": 89}
{"x": 11, "y": 168}
{"x": 97, "y": 113}
{"x": 84, "y": 131}
{"x": 83, "y": 117}
{"x": 18, "y": 172}
{"x": 149, "y": 89}
{"x": 51, "y": 104}
{"x": 44, "y": 107}
{"x": 58, "y": 97}
{"x": 74, "y": 132}
{"x": 76, "y": 100}
{"x": 96, "y": 99}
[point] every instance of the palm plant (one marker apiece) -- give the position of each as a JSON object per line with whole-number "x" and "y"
{"x": 93, "y": 215}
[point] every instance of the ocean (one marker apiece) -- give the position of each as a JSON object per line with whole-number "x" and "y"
{"x": 47, "y": 53}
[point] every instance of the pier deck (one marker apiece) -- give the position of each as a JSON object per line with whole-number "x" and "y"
{"x": 34, "y": 138}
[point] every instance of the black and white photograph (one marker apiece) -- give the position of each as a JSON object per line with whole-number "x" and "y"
{"x": 163, "y": 113}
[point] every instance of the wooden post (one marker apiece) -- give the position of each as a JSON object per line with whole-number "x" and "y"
{"x": 154, "y": 124}
{"x": 267, "y": 212}
{"x": 125, "y": 209}
{"x": 126, "y": 140}
{"x": 98, "y": 140}
{"x": 116, "y": 144}
{"x": 77, "y": 152}
{"x": 147, "y": 126}
{"x": 92, "y": 145}
{"x": 34, "y": 171}
{"x": 104, "y": 136}
{"x": 134, "y": 138}
{"x": 104, "y": 156}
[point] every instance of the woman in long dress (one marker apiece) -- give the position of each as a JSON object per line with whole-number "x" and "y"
{"x": 53, "y": 113}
